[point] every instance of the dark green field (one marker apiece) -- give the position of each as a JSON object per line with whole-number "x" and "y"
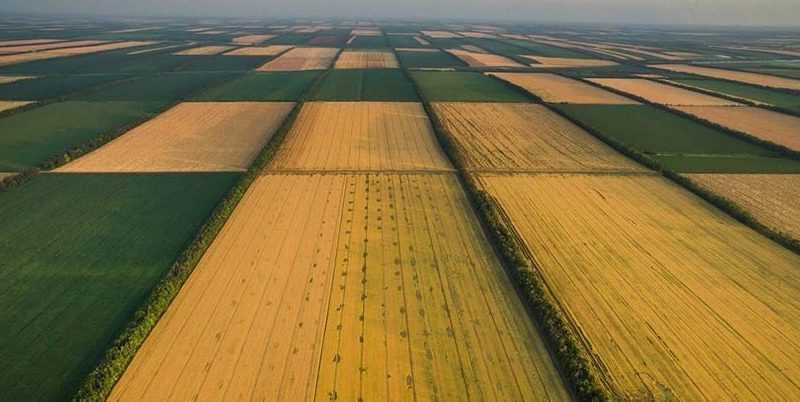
{"x": 108, "y": 62}
{"x": 369, "y": 42}
{"x": 165, "y": 88}
{"x": 261, "y": 86}
{"x": 403, "y": 41}
{"x": 537, "y": 49}
{"x": 80, "y": 253}
{"x": 290, "y": 39}
{"x": 775, "y": 98}
{"x": 436, "y": 59}
{"x": 366, "y": 85}
{"x": 450, "y": 86}
{"x": 728, "y": 164}
{"x": 222, "y": 63}
{"x": 53, "y": 87}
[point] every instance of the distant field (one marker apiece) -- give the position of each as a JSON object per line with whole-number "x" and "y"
{"x": 164, "y": 88}
{"x": 53, "y": 86}
{"x": 729, "y": 164}
{"x": 741, "y": 76}
{"x": 554, "y": 88}
{"x": 661, "y": 93}
{"x": 631, "y": 260}
{"x": 116, "y": 62}
{"x": 358, "y": 59}
{"x": 547, "y": 51}
{"x": 261, "y": 86}
{"x": 348, "y": 287}
{"x": 427, "y": 59}
{"x": 753, "y": 93}
{"x": 372, "y": 42}
{"x": 80, "y": 253}
{"x": 366, "y": 85}
{"x": 221, "y": 63}
{"x": 778, "y": 128}
{"x": 298, "y": 59}
{"x": 464, "y": 87}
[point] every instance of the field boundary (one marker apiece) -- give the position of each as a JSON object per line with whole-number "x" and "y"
{"x": 557, "y": 334}
{"x": 100, "y": 381}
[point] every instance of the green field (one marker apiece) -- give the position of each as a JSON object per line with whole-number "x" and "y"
{"x": 436, "y": 59}
{"x": 775, "y": 98}
{"x": 369, "y": 42}
{"x": 403, "y": 41}
{"x": 108, "y": 62}
{"x": 290, "y": 39}
{"x": 78, "y": 254}
{"x": 450, "y": 86}
{"x": 165, "y": 88}
{"x": 537, "y": 49}
{"x": 728, "y": 164}
{"x": 261, "y": 86}
{"x": 222, "y": 63}
{"x": 366, "y": 85}
{"x": 53, "y": 87}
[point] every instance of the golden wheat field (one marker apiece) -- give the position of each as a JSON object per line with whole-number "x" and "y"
{"x": 554, "y": 88}
{"x": 192, "y": 136}
{"x": 346, "y": 287}
{"x": 482, "y": 59}
{"x": 525, "y": 138}
{"x": 769, "y": 198}
{"x": 358, "y": 136}
{"x": 272, "y": 50}
{"x": 664, "y": 94}
{"x": 251, "y": 39}
{"x": 9, "y": 105}
{"x": 564, "y": 62}
{"x": 204, "y": 51}
{"x": 47, "y": 46}
{"x": 71, "y": 51}
{"x": 349, "y": 59}
{"x": 302, "y": 58}
{"x": 779, "y": 128}
{"x": 672, "y": 298}
{"x": 440, "y": 34}
{"x": 741, "y": 76}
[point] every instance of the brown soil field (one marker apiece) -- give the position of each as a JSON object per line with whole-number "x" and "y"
{"x": 554, "y": 88}
{"x": 272, "y": 50}
{"x": 361, "y": 136}
{"x": 421, "y": 41}
{"x": 8, "y": 105}
{"x": 440, "y": 34}
{"x": 562, "y": 62}
{"x": 508, "y": 137}
{"x": 346, "y": 287}
{"x": 204, "y": 51}
{"x": 302, "y": 58}
{"x": 779, "y": 128}
{"x": 251, "y": 39}
{"x": 48, "y": 46}
{"x": 664, "y": 94}
{"x": 21, "y": 42}
{"x": 741, "y": 76}
{"x": 672, "y": 299}
{"x": 475, "y": 59}
{"x": 6, "y": 79}
{"x": 192, "y": 136}
{"x": 349, "y": 59}
{"x": 770, "y": 198}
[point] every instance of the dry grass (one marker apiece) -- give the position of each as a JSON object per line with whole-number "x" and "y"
{"x": 7, "y": 79}
{"x": 557, "y": 89}
{"x": 483, "y": 59}
{"x": 675, "y": 300}
{"x": 346, "y": 287}
{"x": 361, "y": 136}
{"x": 770, "y": 198}
{"x": 749, "y": 78}
{"x": 349, "y": 59}
{"x": 664, "y": 94}
{"x": 8, "y": 105}
{"x": 563, "y": 62}
{"x": 765, "y": 124}
{"x": 193, "y": 136}
{"x": 525, "y": 138}
{"x": 302, "y": 58}
{"x": 203, "y": 51}
{"x": 252, "y": 39}
{"x": 272, "y": 50}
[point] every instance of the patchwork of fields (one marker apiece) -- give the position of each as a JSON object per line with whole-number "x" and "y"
{"x": 298, "y": 210}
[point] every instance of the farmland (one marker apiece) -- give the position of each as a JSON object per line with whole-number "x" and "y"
{"x": 463, "y": 87}
{"x": 365, "y": 59}
{"x": 740, "y": 76}
{"x": 553, "y": 88}
{"x": 767, "y": 125}
{"x": 427, "y": 58}
{"x": 366, "y": 85}
{"x": 664, "y": 94}
{"x": 261, "y": 86}
{"x": 299, "y": 59}
{"x": 744, "y": 91}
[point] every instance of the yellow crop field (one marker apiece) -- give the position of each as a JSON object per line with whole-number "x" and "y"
{"x": 203, "y": 51}
{"x": 483, "y": 59}
{"x": 302, "y": 58}
{"x": 47, "y": 46}
{"x": 664, "y": 94}
{"x": 366, "y": 32}
{"x": 72, "y": 51}
{"x": 741, "y": 76}
{"x": 358, "y": 136}
{"x": 193, "y": 136}
{"x": 765, "y": 124}
{"x": 346, "y": 287}
{"x": 769, "y": 198}
{"x": 440, "y": 34}
{"x": 251, "y": 39}
{"x": 366, "y": 59}
{"x": 554, "y": 88}
{"x": 272, "y": 50}
{"x": 674, "y": 300}
{"x": 525, "y": 137}
{"x": 8, "y": 105}
{"x": 564, "y": 62}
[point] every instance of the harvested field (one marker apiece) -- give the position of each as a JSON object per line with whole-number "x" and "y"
{"x": 252, "y": 39}
{"x": 565, "y": 62}
{"x": 361, "y": 136}
{"x": 477, "y": 59}
{"x": 48, "y": 46}
{"x": 348, "y": 287}
{"x": 520, "y": 137}
{"x": 778, "y": 128}
{"x": 741, "y": 76}
{"x": 302, "y": 58}
{"x": 685, "y": 304}
{"x": 6, "y": 60}
{"x": 557, "y": 89}
{"x": 770, "y": 198}
{"x": 664, "y": 94}
{"x": 204, "y": 51}
{"x": 9, "y": 105}
{"x": 190, "y": 137}
{"x": 350, "y": 59}
{"x": 272, "y": 50}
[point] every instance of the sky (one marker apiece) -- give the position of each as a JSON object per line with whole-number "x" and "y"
{"x": 694, "y": 12}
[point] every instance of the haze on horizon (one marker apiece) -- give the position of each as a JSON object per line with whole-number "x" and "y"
{"x": 679, "y": 12}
